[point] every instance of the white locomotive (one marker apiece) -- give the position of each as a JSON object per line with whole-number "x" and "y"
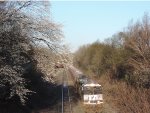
{"x": 91, "y": 92}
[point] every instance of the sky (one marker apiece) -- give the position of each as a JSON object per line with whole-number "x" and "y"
{"x": 85, "y": 22}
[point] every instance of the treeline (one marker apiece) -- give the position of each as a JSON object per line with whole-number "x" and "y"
{"x": 25, "y": 26}
{"x": 124, "y": 56}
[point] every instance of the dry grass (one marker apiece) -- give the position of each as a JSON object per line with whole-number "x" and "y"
{"x": 125, "y": 99}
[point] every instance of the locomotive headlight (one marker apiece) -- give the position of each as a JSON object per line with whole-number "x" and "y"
{"x": 64, "y": 85}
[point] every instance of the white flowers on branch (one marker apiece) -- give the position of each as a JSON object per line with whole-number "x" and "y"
{"x": 23, "y": 26}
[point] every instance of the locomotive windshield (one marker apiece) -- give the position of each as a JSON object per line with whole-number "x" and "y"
{"x": 97, "y": 90}
{"x": 90, "y": 90}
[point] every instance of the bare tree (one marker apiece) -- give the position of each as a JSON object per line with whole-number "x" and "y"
{"x": 139, "y": 42}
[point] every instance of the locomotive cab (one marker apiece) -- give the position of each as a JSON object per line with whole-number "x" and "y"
{"x": 92, "y": 94}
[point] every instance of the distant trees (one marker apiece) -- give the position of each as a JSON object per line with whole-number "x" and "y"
{"x": 124, "y": 56}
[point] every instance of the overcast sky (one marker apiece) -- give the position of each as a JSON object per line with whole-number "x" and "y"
{"x": 87, "y": 21}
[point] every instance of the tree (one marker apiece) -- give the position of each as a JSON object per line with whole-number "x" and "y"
{"x": 23, "y": 26}
{"x": 139, "y": 42}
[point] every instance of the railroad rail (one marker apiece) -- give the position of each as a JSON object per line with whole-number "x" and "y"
{"x": 66, "y": 97}
{"x": 64, "y": 102}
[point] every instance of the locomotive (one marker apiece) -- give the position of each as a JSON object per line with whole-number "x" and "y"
{"x": 89, "y": 90}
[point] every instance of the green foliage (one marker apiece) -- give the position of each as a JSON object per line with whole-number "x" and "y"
{"x": 100, "y": 58}
{"x": 124, "y": 56}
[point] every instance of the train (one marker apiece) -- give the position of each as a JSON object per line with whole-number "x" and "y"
{"x": 89, "y": 90}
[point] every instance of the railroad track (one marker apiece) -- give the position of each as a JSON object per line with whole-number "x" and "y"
{"x": 66, "y": 97}
{"x": 64, "y": 102}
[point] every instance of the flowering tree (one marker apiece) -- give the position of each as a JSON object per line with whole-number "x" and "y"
{"x": 23, "y": 26}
